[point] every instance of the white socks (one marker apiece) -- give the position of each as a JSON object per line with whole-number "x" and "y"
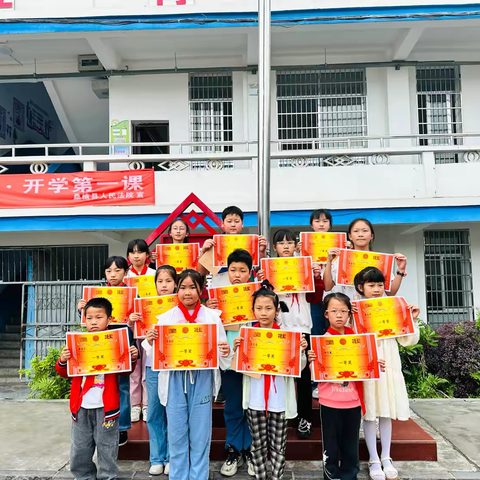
{"x": 369, "y": 430}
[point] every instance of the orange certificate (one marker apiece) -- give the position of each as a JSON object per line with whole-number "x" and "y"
{"x": 289, "y": 274}
{"x": 386, "y": 316}
{"x": 345, "y": 358}
{"x": 350, "y": 262}
{"x": 185, "y": 347}
{"x": 275, "y": 352}
{"x": 150, "y": 308}
{"x": 121, "y": 298}
{"x": 180, "y": 256}
{"x": 235, "y": 302}
{"x": 317, "y": 244}
{"x": 226, "y": 244}
{"x": 98, "y": 352}
{"x": 145, "y": 285}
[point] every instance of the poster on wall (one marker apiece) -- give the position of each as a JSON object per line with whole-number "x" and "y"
{"x": 120, "y": 133}
{"x": 18, "y": 115}
{"x": 173, "y": 3}
{"x": 38, "y": 120}
{"x": 7, "y": 4}
{"x": 3, "y": 122}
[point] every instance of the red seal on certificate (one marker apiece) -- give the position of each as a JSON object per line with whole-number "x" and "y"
{"x": 185, "y": 330}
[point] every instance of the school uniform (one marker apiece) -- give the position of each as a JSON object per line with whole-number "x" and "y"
{"x": 269, "y": 402}
{"x": 138, "y": 387}
{"x": 187, "y": 396}
{"x": 341, "y": 406}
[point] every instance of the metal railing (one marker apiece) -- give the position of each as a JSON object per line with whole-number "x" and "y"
{"x": 342, "y": 151}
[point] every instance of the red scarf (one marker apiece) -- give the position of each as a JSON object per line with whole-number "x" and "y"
{"x": 123, "y": 284}
{"x": 143, "y": 272}
{"x": 190, "y": 318}
{"x": 267, "y": 379}
{"x": 358, "y": 385}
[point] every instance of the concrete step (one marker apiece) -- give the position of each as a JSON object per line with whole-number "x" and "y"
{"x": 10, "y": 344}
{"x": 9, "y": 352}
{"x": 12, "y": 362}
{"x": 13, "y": 328}
{"x": 9, "y": 380}
{"x": 8, "y": 371}
{"x": 10, "y": 337}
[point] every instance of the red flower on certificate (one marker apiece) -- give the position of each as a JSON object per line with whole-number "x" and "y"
{"x": 320, "y": 366}
{"x": 122, "y": 357}
{"x": 292, "y": 362}
{"x": 210, "y": 354}
{"x": 268, "y": 368}
{"x": 239, "y": 318}
{"x": 346, "y": 374}
{"x": 98, "y": 368}
{"x": 161, "y": 356}
{"x": 372, "y": 365}
{"x": 288, "y": 288}
{"x": 245, "y": 358}
{"x": 361, "y": 329}
{"x": 385, "y": 333}
{"x": 185, "y": 363}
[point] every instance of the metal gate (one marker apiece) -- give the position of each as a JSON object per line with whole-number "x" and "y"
{"x": 49, "y": 311}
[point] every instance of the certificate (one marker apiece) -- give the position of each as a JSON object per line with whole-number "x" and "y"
{"x": 185, "y": 347}
{"x": 386, "y": 316}
{"x": 235, "y": 302}
{"x": 345, "y": 358}
{"x": 145, "y": 285}
{"x": 150, "y": 308}
{"x": 98, "y": 352}
{"x": 273, "y": 352}
{"x": 289, "y": 274}
{"x": 317, "y": 244}
{"x": 350, "y": 262}
{"x": 178, "y": 255}
{"x": 226, "y": 244}
{"x": 121, "y": 299}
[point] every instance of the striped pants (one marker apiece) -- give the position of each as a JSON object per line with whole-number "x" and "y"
{"x": 269, "y": 437}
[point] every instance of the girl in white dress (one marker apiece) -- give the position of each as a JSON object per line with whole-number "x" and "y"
{"x": 386, "y": 399}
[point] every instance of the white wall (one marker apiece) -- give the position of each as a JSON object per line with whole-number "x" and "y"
{"x": 27, "y": 93}
{"x": 62, "y": 8}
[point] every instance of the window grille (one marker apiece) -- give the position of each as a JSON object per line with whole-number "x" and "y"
{"x": 211, "y": 114}
{"x": 44, "y": 264}
{"x": 321, "y": 105}
{"x": 448, "y": 272}
{"x": 440, "y": 108}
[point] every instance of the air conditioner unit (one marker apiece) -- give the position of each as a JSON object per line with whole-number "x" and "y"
{"x": 89, "y": 63}
{"x": 100, "y": 88}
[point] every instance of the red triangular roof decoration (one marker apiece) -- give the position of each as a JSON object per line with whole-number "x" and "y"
{"x": 193, "y": 218}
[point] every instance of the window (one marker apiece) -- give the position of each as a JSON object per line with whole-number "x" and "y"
{"x": 448, "y": 273}
{"x": 211, "y": 114}
{"x": 440, "y": 108}
{"x": 45, "y": 264}
{"x": 321, "y": 106}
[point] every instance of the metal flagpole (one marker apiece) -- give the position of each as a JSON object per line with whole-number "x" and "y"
{"x": 264, "y": 117}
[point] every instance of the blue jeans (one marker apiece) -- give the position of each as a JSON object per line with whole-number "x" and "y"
{"x": 125, "y": 407}
{"x": 189, "y": 416}
{"x": 156, "y": 421}
{"x": 238, "y": 432}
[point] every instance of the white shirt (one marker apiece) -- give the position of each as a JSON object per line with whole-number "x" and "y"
{"x": 94, "y": 397}
{"x": 130, "y": 273}
{"x": 276, "y": 396}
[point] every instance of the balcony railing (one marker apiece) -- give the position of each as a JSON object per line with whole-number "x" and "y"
{"x": 331, "y": 152}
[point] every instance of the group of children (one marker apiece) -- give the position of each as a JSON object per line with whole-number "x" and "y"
{"x": 177, "y": 405}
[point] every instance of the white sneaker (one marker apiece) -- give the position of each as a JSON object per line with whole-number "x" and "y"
{"x": 249, "y": 462}
{"x": 166, "y": 469}
{"x": 144, "y": 413}
{"x": 135, "y": 414}
{"x": 156, "y": 470}
{"x": 315, "y": 394}
{"x": 233, "y": 462}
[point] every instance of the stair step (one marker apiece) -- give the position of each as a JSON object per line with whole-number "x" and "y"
{"x": 9, "y": 362}
{"x": 9, "y": 380}
{"x": 13, "y": 328}
{"x": 8, "y": 371}
{"x": 9, "y": 352}
{"x": 10, "y": 345}
{"x": 10, "y": 337}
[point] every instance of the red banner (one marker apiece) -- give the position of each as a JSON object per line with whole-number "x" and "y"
{"x": 80, "y": 189}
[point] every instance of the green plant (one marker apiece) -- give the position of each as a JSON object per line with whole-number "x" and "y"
{"x": 421, "y": 383}
{"x": 44, "y": 382}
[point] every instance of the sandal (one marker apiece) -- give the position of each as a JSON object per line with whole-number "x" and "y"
{"x": 375, "y": 474}
{"x": 391, "y": 473}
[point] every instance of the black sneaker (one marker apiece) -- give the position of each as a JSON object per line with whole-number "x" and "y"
{"x": 233, "y": 462}
{"x": 304, "y": 429}
{"x": 220, "y": 398}
{"x": 122, "y": 439}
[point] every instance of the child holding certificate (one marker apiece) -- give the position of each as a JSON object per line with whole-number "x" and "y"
{"x": 238, "y": 439}
{"x": 115, "y": 271}
{"x": 187, "y": 394}
{"x": 165, "y": 282}
{"x": 361, "y": 233}
{"x": 138, "y": 255}
{"x": 95, "y": 406}
{"x": 269, "y": 401}
{"x": 299, "y": 319}
{"x": 387, "y": 398}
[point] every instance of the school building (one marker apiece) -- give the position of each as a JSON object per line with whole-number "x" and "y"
{"x": 375, "y": 113}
